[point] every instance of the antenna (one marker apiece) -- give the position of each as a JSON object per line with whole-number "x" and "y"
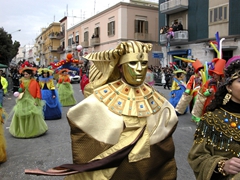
{"x": 67, "y": 10}
{"x": 94, "y": 7}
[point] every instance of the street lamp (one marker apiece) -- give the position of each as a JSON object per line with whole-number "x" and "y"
{"x": 15, "y": 31}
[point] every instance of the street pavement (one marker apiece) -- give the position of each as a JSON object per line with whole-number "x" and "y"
{"x": 54, "y": 147}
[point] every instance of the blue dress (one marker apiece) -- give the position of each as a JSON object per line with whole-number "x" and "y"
{"x": 52, "y": 109}
{"x": 178, "y": 88}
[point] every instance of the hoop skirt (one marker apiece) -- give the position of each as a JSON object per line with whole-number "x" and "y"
{"x": 52, "y": 108}
{"x": 3, "y": 153}
{"x": 178, "y": 94}
{"x": 28, "y": 119}
{"x": 66, "y": 97}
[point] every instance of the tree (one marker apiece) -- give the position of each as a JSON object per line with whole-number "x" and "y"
{"x": 8, "y": 49}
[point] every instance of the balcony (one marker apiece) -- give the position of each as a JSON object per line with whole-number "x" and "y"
{"x": 60, "y": 35}
{"x": 61, "y": 49}
{"x": 74, "y": 46}
{"x": 69, "y": 48}
{"x": 95, "y": 41}
{"x": 53, "y": 48}
{"x": 180, "y": 37}
{"x": 173, "y": 6}
{"x": 142, "y": 37}
{"x": 85, "y": 44}
{"x": 53, "y": 35}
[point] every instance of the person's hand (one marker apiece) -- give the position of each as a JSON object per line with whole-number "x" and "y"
{"x": 232, "y": 166}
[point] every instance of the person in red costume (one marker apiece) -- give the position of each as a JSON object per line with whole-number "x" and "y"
{"x": 210, "y": 87}
{"x": 28, "y": 119}
{"x": 194, "y": 82}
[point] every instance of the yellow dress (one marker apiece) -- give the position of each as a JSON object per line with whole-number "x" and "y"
{"x": 3, "y": 153}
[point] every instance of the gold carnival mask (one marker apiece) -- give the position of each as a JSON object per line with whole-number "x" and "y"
{"x": 134, "y": 72}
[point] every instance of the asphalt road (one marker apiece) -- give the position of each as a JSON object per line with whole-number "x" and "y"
{"x": 54, "y": 148}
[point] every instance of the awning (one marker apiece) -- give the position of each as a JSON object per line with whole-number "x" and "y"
{"x": 178, "y": 52}
{"x": 225, "y": 48}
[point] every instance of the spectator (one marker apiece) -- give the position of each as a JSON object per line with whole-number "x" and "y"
{"x": 3, "y": 87}
{"x": 180, "y": 26}
{"x": 167, "y": 79}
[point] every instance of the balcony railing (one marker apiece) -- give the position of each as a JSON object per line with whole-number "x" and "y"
{"x": 69, "y": 48}
{"x": 85, "y": 44}
{"x": 60, "y": 35}
{"x": 53, "y": 48}
{"x": 53, "y": 35}
{"x": 60, "y": 49}
{"x": 179, "y": 37}
{"x": 95, "y": 41}
{"x": 74, "y": 46}
{"x": 142, "y": 37}
{"x": 173, "y": 6}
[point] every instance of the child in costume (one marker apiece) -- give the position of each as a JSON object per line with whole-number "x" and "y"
{"x": 52, "y": 109}
{"x": 65, "y": 89}
{"x": 178, "y": 87}
{"x": 28, "y": 119}
{"x": 193, "y": 85}
{"x": 3, "y": 153}
{"x": 209, "y": 88}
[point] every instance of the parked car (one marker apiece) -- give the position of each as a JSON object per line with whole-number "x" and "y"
{"x": 74, "y": 77}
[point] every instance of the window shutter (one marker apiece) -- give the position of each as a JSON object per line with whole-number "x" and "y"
{"x": 136, "y": 26}
{"x": 146, "y": 27}
{"x": 109, "y": 29}
{"x": 113, "y": 27}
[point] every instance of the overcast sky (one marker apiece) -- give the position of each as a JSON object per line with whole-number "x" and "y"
{"x": 31, "y": 15}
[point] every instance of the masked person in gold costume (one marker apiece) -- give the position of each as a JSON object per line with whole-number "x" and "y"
{"x": 215, "y": 152}
{"x": 123, "y": 129}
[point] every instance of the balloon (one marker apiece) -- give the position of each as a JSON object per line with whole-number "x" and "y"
{"x": 69, "y": 56}
{"x": 79, "y": 48}
{"x": 16, "y": 94}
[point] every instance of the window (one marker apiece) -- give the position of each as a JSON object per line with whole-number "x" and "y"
{"x": 77, "y": 37}
{"x": 85, "y": 36}
{"x": 97, "y": 32}
{"x": 218, "y": 14}
{"x": 70, "y": 40}
{"x": 141, "y": 26}
{"x": 111, "y": 28}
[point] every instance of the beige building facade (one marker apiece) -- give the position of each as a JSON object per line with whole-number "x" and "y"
{"x": 105, "y": 30}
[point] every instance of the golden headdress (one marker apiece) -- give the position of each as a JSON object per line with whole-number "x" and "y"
{"x": 105, "y": 63}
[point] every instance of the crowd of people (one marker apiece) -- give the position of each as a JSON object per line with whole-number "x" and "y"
{"x": 126, "y": 131}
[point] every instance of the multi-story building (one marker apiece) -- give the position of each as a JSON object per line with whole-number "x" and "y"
{"x": 47, "y": 44}
{"x": 201, "y": 20}
{"x": 136, "y": 20}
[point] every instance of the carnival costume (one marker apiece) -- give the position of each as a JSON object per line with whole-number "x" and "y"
{"x": 177, "y": 89}
{"x": 217, "y": 137}
{"x": 209, "y": 88}
{"x": 3, "y": 153}
{"x": 130, "y": 136}
{"x": 52, "y": 109}
{"x": 65, "y": 89}
{"x": 28, "y": 119}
